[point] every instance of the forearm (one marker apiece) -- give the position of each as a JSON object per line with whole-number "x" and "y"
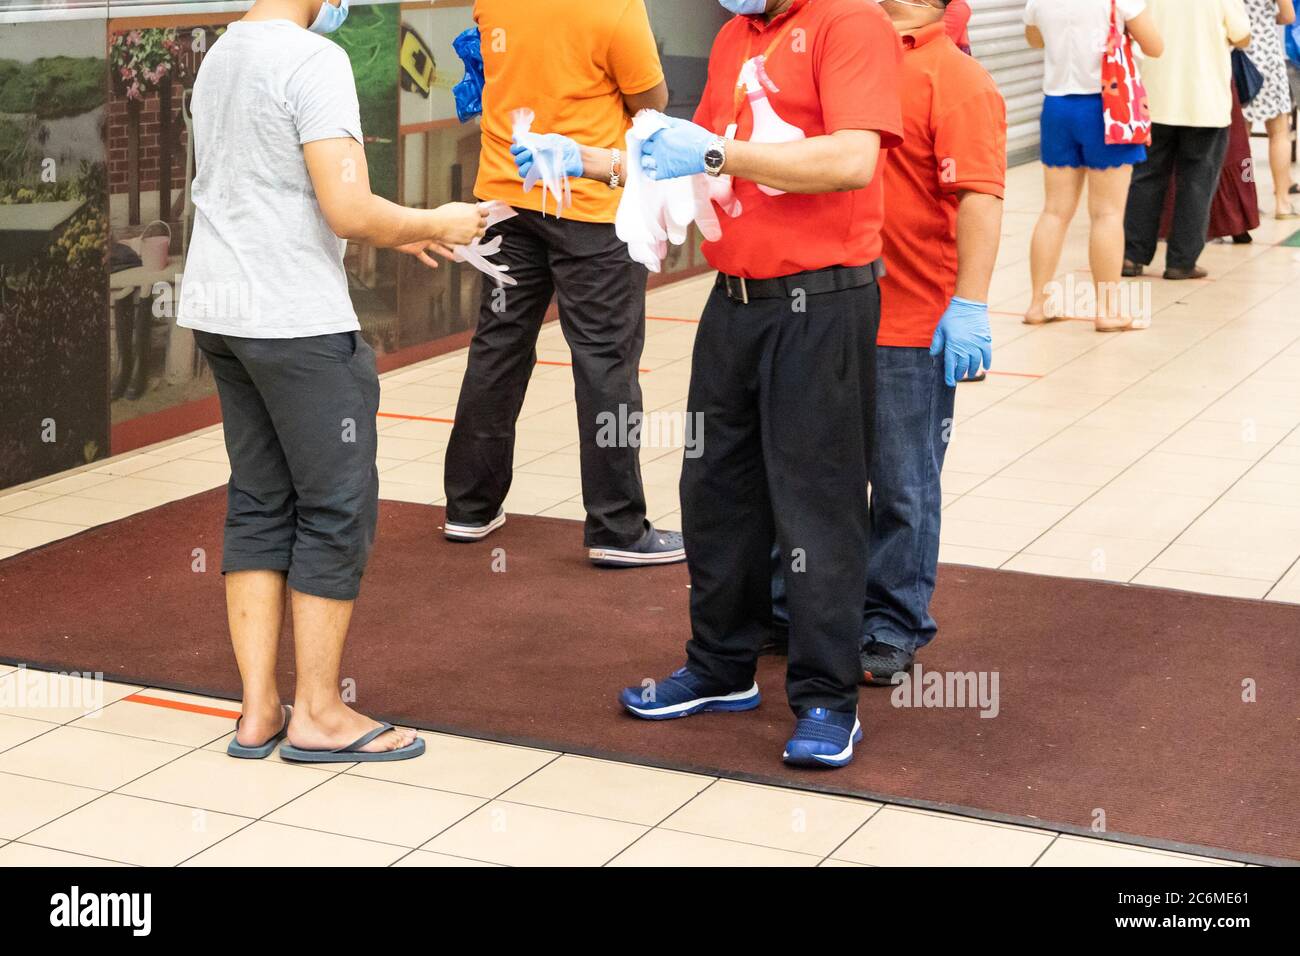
{"x": 820, "y": 164}
{"x": 979, "y": 231}
{"x": 596, "y": 162}
{"x": 378, "y": 222}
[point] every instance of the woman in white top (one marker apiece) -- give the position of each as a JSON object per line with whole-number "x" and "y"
{"x": 1073, "y": 35}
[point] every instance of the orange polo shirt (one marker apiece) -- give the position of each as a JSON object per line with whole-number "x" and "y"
{"x": 571, "y": 64}
{"x": 954, "y": 140}
{"x": 835, "y": 64}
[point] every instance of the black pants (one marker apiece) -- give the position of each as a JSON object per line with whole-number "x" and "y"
{"x": 786, "y": 398}
{"x": 299, "y": 417}
{"x": 602, "y": 313}
{"x": 1196, "y": 154}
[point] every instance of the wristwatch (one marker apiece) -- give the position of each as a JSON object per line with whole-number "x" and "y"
{"x": 715, "y": 157}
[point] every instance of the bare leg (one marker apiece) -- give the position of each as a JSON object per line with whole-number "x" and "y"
{"x": 1063, "y": 185}
{"x": 1107, "y": 197}
{"x": 321, "y": 720}
{"x": 1279, "y": 161}
{"x": 255, "y": 611}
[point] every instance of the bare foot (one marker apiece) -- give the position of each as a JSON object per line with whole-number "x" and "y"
{"x": 337, "y": 726}
{"x": 259, "y": 723}
{"x": 1122, "y": 324}
{"x": 1036, "y": 314}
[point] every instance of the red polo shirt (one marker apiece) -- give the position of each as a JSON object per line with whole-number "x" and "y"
{"x": 836, "y": 65}
{"x": 955, "y": 140}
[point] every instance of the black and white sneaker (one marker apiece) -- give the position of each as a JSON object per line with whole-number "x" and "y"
{"x": 655, "y": 547}
{"x": 472, "y": 532}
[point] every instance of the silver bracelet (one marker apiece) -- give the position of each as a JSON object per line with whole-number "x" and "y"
{"x": 613, "y": 168}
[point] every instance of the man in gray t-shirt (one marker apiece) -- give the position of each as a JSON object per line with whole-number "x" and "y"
{"x": 282, "y": 184}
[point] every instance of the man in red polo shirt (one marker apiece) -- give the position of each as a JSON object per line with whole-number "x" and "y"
{"x": 943, "y": 194}
{"x": 783, "y": 371}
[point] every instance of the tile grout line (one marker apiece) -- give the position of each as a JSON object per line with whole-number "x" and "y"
{"x": 1128, "y": 467}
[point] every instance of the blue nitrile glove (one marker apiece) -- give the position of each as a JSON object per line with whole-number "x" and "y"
{"x": 964, "y": 337}
{"x": 676, "y": 151}
{"x": 570, "y": 155}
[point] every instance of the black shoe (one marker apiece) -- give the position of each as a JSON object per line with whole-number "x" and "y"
{"x": 654, "y": 547}
{"x": 1182, "y": 275}
{"x": 1242, "y": 239}
{"x": 1131, "y": 269}
{"x": 880, "y": 662}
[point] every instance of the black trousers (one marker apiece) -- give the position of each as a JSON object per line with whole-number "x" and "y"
{"x": 1196, "y": 154}
{"x": 299, "y": 419}
{"x": 602, "y": 313}
{"x": 787, "y": 403}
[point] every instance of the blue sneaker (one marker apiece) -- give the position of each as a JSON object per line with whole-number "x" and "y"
{"x": 823, "y": 738}
{"x": 681, "y": 694}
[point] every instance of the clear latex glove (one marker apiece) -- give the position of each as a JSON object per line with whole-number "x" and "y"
{"x": 548, "y": 164}
{"x": 567, "y": 149}
{"x": 476, "y": 253}
{"x": 677, "y": 150}
{"x": 654, "y": 213}
{"x": 965, "y": 338}
{"x": 639, "y": 220}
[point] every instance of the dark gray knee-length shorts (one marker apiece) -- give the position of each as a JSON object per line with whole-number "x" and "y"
{"x": 300, "y": 432}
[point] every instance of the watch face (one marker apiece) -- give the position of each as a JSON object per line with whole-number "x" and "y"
{"x": 713, "y": 158}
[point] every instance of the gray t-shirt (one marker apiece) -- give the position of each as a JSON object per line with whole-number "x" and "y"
{"x": 263, "y": 262}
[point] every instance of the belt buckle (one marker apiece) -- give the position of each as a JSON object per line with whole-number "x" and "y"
{"x": 744, "y": 290}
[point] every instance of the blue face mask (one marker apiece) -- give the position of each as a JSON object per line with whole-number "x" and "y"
{"x": 330, "y": 17}
{"x": 745, "y": 8}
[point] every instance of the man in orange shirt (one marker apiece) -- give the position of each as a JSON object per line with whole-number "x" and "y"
{"x": 585, "y": 83}
{"x": 943, "y": 196}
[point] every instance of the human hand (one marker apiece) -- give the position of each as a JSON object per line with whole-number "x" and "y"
{"x": 421, "y": 248}
{"x": 570, "y": 154}
{"x": 459, "y": 223}
{"x": 965, "y": 338}
{"x": 677, "y": 150}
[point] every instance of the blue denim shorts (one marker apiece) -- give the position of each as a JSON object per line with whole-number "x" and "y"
{"x": 1075, "y": 135}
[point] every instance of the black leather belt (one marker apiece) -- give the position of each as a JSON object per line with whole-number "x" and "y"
{"x": 812, "y": 282}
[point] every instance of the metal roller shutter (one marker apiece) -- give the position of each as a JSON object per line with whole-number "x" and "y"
{"x": 997, "y": 37}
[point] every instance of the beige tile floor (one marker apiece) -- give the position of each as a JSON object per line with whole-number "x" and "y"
{"x": 1169, "y": 457}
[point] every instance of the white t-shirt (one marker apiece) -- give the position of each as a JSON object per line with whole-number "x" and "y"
{"x": 263, "y": 262}
{"x": 1074, "y": 38}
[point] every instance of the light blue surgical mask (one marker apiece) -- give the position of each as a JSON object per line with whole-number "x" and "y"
{"x": 330, "y": 17}
{"x": 745, "y": 8}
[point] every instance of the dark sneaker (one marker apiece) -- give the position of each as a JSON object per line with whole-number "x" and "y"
{"x": 823, "y": 738}
{"x": 1181, "y": 275}
{"x": 655, "y": 547}
{"x": 681, "y": 694}
{"x": 454, "y": 531}
{"x": 880, "y": 662}
{"x": 1131, "y": 269}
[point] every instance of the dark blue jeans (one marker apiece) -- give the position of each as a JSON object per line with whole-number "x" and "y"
{"x": 914, "y": 410}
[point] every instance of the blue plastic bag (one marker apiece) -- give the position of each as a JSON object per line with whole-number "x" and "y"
{"x": 1293, "y": 43}
{"x": 468, "y": 93}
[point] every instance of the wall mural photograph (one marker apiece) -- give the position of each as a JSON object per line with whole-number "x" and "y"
{"x": 53, "y": 217}
{"x": 96, "y": 168}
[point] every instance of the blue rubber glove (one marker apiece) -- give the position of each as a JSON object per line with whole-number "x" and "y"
{"x": 676, "y": 151}
{"x": 964, "y": 338}
{"x": 570, "y": 155}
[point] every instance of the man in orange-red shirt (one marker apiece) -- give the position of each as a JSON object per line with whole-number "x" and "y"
{"x": 783, "y": 370}
{"x": 583, "y": 69}
{"x": 943, "y": 196}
